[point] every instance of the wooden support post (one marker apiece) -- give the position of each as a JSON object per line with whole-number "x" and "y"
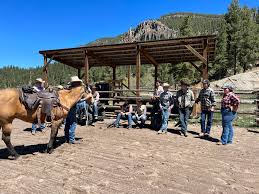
{"x": 129, "y": 75}
{"x": 156, "y": 70}
{"x": 257, "y": 107}
{"x": 138, "y": 66}
{"x": 196, "y": 107}
{"x": 86, "y": 62}
{"x": 205, "y": 72}
{"x": 114, "y": 73}
{"x": 45, "y": 69}
{"x": 79, "y": 73}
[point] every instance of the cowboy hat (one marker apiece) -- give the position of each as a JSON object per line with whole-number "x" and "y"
{"x": 40, "y": 80}
{"x": 60, "y": 87}
{"x": 228, "y": 86}
{"x": 166, "y": 85}
{"x": 75, "y": 79}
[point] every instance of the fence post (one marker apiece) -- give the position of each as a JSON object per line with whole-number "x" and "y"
{"x": 257, "y": 107}
{"x": 196, "y": 107}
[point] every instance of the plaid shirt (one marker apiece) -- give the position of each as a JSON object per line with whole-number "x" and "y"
{"x": 207, "y": 98}
{"x": 229, "y": 100}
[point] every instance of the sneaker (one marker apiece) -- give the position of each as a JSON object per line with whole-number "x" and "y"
{"x": 164, "y": 132}
{"x": 129, "y": 127}
{"x": 33, "y": 132}
{"x": 74, "y": 142}
{"x": 160, "y": 132}
{"x": 96, "y": 118}
{"x": 201, "y": 134}
{"x": 185, "y": 134}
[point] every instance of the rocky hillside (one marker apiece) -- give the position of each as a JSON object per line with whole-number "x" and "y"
{"x": 168, "y": 26}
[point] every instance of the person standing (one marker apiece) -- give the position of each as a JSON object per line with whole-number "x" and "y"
{"x": 166, "y": 104}
{"x": 207, "y": 99}
{"x": 159, "y": 89}
{"x": 229, "y": 106}
{"x": 184, "y": 101}
{"x": 38, "y": 86}
{"x": 71, "y": 121}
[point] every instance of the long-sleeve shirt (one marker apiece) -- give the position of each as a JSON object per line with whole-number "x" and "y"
{"x": 184, "y": 99}
{"x": 158, "y": 91}
{"x": 229, "y": 100}
{"x": 166, "y": 100}
{"x": 96, "y": 96}
{"x": 207, "y": 98}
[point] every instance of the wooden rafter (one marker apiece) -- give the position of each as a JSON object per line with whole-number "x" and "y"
{"x": 196, "y": 53}
{"x": 195, "y": 66}
{"x": 148, "y": 57}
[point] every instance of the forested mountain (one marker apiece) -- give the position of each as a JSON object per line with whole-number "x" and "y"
{"x": 237, "y": 48}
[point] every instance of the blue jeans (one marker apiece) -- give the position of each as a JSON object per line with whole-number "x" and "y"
{"x": 165, "y": 117}
{"x": 82, "y": 105}
{"x": 120, "y": 116}
{"x": 71, "y": 124}
{"x": 205, "y": 114}
{"x": 228, "y": 131}
{"x": 184, "y": 116}
{"x": 95, "y": 109}
{"x": 34, "y": 127}
{"x": 141, "y": 118}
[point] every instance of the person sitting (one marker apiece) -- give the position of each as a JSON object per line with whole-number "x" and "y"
{"x": 38, "y": 86}
{"x": 125, "y": 113}
{"x": 140, "y": 114}
{"x": 96, "y": 97}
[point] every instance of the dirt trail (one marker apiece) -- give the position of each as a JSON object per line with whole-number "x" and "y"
{"x": 131, "y": 161}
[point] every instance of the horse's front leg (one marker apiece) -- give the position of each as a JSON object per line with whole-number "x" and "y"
{"x": 54, "y": 131}
{"x": 6, "y": 137}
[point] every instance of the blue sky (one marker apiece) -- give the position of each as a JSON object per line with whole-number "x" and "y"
{"x": 28, "y": 26}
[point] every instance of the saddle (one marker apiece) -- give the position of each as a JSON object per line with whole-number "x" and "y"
{"x": 43, "y": 101}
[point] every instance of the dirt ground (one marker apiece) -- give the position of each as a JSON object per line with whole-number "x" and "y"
{"x": 131, "y": 161}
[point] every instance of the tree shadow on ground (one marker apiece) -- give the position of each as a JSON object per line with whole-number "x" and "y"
{"x": 252, "y": 131}
{"x": 31, "y": 149}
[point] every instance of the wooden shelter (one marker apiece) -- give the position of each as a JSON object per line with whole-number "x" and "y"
{"x": 174, "y": 51}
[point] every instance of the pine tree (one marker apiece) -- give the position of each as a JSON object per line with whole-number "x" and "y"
{"x": 248, "y": 43}
{"x": 186, "y": 29}
{"x": 233, "y": 19}
{"x": 219, "y": 67}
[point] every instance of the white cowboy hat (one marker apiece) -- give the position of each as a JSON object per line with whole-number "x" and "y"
{"x": 75, "y": 79}
{"x": 40, "y": 80}
{"x": 60, "y": 87}
{"x": 166, "y": 85}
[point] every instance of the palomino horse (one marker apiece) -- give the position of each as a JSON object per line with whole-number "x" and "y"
{"x": 12, "y": 108}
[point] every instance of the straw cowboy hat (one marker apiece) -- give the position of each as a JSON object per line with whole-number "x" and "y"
{"x": 166, "y": 85}
{"x": 75, "y": 79}
{"x": 60, "y": 87}
{"x": 40, "y": 80}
